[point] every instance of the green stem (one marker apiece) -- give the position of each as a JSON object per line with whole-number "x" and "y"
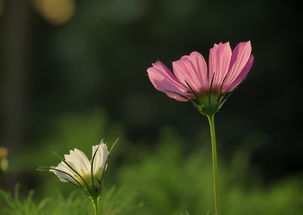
{"x": 96, "y": 205}
{"x": 211, "y": 120}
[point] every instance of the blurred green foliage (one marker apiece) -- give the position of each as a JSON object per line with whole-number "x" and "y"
{"x": 167, "y": 178}
{"x": 171, "y": 180}
{"x": 114, "y": 202}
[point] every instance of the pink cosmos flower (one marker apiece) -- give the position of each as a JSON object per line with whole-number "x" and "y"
{"x": 192, "y": 80}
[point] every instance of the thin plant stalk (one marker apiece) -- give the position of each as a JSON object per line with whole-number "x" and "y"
{"x": 211, "y": 120}
{"x": 96, "y": 205}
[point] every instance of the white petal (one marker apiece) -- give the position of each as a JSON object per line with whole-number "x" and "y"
{"x": 78, "y": 160}
{"x": 64, "y": 175}
{"x": 100, "y": 158}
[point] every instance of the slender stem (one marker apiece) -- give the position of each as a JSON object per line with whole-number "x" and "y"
{"x": 211, "y": 120}
{"x": 96, "y": 205}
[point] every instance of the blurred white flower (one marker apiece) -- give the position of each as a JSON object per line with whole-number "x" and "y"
{"x": 85, "y": 174}
{"x": 79, "y": 170}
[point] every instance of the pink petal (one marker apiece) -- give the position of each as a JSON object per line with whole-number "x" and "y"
{"x": 219, "y": 60}
{"x": 200, "y": 68}
{"x": 241, "y": 76}
{"x": 192, "y": 70}
{"x": 186, "y": 74}
{"x": 165, "y": 81}
{"x": 240, "y": 56}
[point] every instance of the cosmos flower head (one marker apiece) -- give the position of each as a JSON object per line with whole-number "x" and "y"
{"x": 84, "y": 173}
{"x": 206, "y": 87}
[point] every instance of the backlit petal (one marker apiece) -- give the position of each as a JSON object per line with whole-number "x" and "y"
{"x": 78, "y": 160}
{"x": 165, "y": 81}
{"x": 192, "y": 70}
{"x": 99, "y": 160}
{"x": 241, "y": 76}
{"x": 201, "y": 67}
{"x": 219, "y": 60}
{"x": 240, "y": 57}
{"x": 64, "y": 177}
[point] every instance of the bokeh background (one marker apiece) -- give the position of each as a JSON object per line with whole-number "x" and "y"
{"x": 73, "y": 72}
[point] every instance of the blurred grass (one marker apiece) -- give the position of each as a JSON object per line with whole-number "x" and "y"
{"x": 172, "y": 180}
{"x": 168, "y": 177}
{"x": 114, "y": 202}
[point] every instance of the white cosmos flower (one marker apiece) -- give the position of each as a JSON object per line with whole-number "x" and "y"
{"x": 79, "y": 170}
